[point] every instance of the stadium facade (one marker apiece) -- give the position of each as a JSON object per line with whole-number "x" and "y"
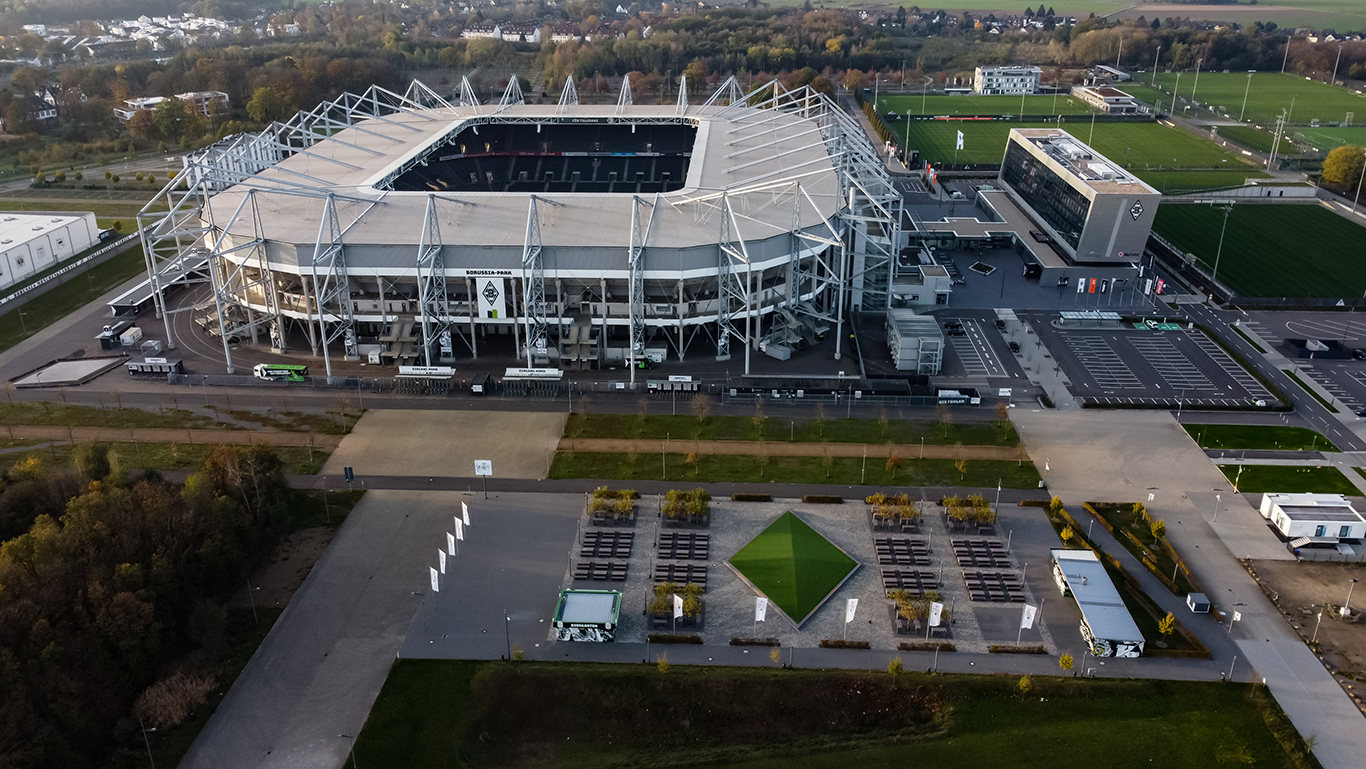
{"x": 409, "y": 227}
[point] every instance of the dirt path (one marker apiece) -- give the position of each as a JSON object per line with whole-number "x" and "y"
{"x": 780, "y": 449}
{"x": 168, "y": 435}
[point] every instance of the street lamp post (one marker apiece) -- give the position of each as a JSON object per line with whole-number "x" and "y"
{"x": 1196, "y": 87}
{"x": 148, "y": 744}
{"x": 1335, "y": 65}
{"x": 1347, "y": 607}
{"x": 1228, "y": 208}
{"x": 1359, "y": 178}
{"x": 352, "y": 751}
{"x": 1155, "y": 57}
{"x": 1245, "y": 93}
{"x": 507, "y": 633}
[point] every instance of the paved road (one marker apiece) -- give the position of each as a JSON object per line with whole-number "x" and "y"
{"x": 1123, "y": 456}
{"x": 1309, "y": 409}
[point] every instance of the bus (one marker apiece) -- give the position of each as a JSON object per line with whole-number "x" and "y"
{"x": 280, "y": 372}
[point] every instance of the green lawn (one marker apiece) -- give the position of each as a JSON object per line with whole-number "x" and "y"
{"x": 1270, "y": 93}
{"x": 74, "y": 293}
{"x": 840, "y": 430}
{"x": 1121, "y": 518}
{"x": 1327, "y": 138}
{"x": 298, "y": 460}
{"x": 793, "y": 565}
{"x": 845, "y": 471}
{"x": 1289, "y": 479}
{"x": 979, "y": 105}
{"x": 1150, "y": 150}
{"x": 455, "y": 713}
{"x": 1261, "y": 240}
{"x": 1255, "y": 139}
{"x": 1237, "y": 437}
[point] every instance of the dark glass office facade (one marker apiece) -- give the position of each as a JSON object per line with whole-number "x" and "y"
{"x": 1059, "y": 204}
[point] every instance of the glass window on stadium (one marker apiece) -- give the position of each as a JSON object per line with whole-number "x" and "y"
{"x": 1058, "y": 203}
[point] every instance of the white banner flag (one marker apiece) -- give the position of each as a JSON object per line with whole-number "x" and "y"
{"x": 960, "y": 141}
{"x": 849, "y": 609}
{"x": 760, "y": 609}
{"x": 936, "y": 613}
{"x": 436, "y": 584}
{"x": 1027, "y": 619}
{"x": 678, "y": 607}
{"x": 441, "y": 559}
{"x": 1150, "y": 497}
{"x": 459, "y": 530}
{"x": 1081, "y": 285}
{"x": 465, "y": 513}
{"x": 1237, "y": 616}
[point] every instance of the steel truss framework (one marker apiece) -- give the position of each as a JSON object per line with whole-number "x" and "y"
{"x": 851, "y": 255}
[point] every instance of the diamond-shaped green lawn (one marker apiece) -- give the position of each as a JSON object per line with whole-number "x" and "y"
{"x": 793, "y": 566}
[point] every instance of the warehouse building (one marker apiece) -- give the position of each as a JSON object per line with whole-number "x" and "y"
{"x": 32, "y": 242}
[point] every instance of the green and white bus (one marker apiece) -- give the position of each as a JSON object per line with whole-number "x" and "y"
{"x": 280, "y": 372}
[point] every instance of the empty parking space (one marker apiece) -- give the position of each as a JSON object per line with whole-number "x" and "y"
{"x": 973, "y": 349}
{"x": 1171, "y": 364}
{"x": 1346, "y": 383}
{"x": 1123, "y": 366}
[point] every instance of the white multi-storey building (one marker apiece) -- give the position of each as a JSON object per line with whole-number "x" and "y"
{"x": 1006, "y": 81}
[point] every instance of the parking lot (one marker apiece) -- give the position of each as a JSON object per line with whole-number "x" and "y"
{"x": 972, "y": 351}
{"x": 1123, "y": 365}
{"x": 1343, "y": 379}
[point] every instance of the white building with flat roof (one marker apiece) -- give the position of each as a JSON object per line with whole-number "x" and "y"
{"x": 1006, "y": 81}
{"x": 32, "y": 242}
{"x": 1319, "y": 518}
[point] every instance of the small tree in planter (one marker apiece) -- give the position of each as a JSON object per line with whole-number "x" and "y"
{"x": 694, "y": 506}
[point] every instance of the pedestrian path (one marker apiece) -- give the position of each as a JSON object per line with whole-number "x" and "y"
{"x": 780, "y": 449}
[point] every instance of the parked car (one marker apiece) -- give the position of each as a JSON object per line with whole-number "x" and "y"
{"x": 1001, "y": 323}
{"x": 1359, "y": 354}
{"x": 953, "y": 324}
{"x": 1015, "y": 347}
{"x": 957, "y": 332}
{"x": 957, "y": 195}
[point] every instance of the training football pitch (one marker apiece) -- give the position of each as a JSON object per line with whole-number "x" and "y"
{"x": 1327, "y": 138}
{"x": 1272, "y": 250}
{"x": 917, "y": 104}
{"x": 1268, "y": 95}
{"x": 1151, "y": 150}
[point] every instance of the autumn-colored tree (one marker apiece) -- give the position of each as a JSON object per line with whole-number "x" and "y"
{"x": 1343, "y": 165}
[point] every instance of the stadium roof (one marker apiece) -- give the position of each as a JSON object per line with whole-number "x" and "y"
{"x": 754, "y": 155}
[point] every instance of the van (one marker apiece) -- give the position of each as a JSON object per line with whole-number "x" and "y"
{"x": 479, "y": 384}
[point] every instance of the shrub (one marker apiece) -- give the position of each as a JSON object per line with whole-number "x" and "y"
{"x": 674, "y": 638}
{"x": 823, "y": 499}
{"x": 751, "y": 497}
{"x": 755, "y": 642}
{"x": 840, "y": 643}
{"x": 171, "y": 700}
{"x": 926, "y": 646}
{"x": 1006, "y": 649}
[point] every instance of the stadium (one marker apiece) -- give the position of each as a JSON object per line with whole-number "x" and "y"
{"x": 412, "y": 230}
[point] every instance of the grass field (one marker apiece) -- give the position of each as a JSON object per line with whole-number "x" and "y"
{"x": 919, "y": 104}
{"x": 844, "y": 471}
{"x": 1150, "y": 150}
{"x": 1289, "y": 479}
{"x": 456, "y": 713}
{"x": 1270, "y": 250}
{"x": 75, "y": 293}
{"x": 759, "y": 428}
{"x": 1269, "y": 94}
{"x": 165, "y": 456}
{"x": 1255, "y": 139}
{"x": 1237, "y": 437}
{"x": 793, "y": 565}
{"x": 1326, "y": 139}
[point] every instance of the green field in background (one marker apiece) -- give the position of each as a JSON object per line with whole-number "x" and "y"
{"x": 1326, "y": 138}
{"x": 1270, "y": 93}
{"x": 980, "y": 105}
{"x": 1272, "y": 250}
{"x": 1255, "y": 139}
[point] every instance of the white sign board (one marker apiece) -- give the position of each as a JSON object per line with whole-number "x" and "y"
{"x": 492, "y": 293}
{"x": 441, "y": 559}
{"x": 436, "y": 583}
{"x": 849, "y": 609}
{"x": 450, "y": 543}
{"x": 153, "y": 360}
{"x": 439, "y": 371}
{"x": 760, "y": 608}
{"x": 465, "y": 509}
{"x": 483, "y": 467}
{"x": 680, "y": 379}
{"x": 459, "y": 530}
{"x": 1027, "y": 619}
{"x": 936, "y": 613}
{"x": 678, "y": 607}
{"x": 1003, "y": 392}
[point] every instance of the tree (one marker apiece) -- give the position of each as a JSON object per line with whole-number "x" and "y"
{"x": 758, "y": 419}
{"x": 894, "y": 667}
{"x": 265, "y": 105}
{"x": 945, "y": 416}
{"x": 1067, "y": 535}
{"x": 1025, "y": 684}
{"x": 1065, "y": 662}
{"x": 662, "y": 663}
{"x": 893, "y": 464}
{"x": 1343, "y": 165}
{"x": 170, "y": 117}
{"x": 1167, "y": 625}
{"x": 882, "y": 420}
{"x": 1159, "y": 529}
{"x": 701, "y": 407}
{"x": 1003, "y": 412}
{"x": 820, "y": 418}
